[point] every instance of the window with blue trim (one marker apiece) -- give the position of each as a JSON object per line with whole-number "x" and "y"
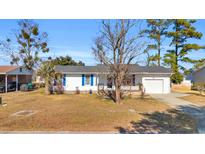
{"x": 87, "y": 79}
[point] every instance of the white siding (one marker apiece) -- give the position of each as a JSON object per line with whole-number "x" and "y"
{"x": 103, "y": 79}
{"x": 74, "y": 81}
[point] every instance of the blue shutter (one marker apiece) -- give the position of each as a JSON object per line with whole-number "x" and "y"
{"x": 54, "y": 82}
{"x": 83, "y": 79}
{"x": 91, "y": 83}
{"x": 64, "y": 79}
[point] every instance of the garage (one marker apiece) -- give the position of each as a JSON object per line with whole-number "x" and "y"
{"x": 153, "y": 86}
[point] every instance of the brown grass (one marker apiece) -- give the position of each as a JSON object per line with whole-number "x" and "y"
{"x": 72, "y": 112}
{"x": 195, "y": 98}
{"x": 180, "y": 88}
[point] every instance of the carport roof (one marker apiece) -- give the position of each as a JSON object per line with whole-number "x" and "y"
{"x": 6, "y": 69}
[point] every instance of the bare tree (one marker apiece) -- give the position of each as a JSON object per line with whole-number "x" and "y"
{"x": 116, "y": 48}
{"x": 9, "y": 52}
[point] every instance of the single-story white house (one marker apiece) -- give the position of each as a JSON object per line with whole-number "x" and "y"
{"x": 13, "y": 77}
{"x": 155, "y": 79}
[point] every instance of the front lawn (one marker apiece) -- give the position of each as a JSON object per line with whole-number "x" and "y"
{"x": 195, "y": 98}
{"x": 72, "y": 112}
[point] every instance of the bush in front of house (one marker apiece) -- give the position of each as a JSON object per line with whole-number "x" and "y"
{"x": 176, "y": 78}
{"x": 197, "y": 86}
{"x": 38, "y": 85}
{"x": 200, "y": 86}
{"x": 58, "y": 89}
{"x": 24, "y": 87}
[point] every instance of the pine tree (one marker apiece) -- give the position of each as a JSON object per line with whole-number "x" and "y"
{"x": 183, "y": 30}
{"x": 156, "y": 31}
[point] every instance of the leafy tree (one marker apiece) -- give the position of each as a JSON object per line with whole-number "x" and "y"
{"x": 66, "y": 61}
{"x": 30, "y": 43}
{"x": 47, "y": 71}
{"x": 155, "y": 31}
{"x": 183, "y": 30}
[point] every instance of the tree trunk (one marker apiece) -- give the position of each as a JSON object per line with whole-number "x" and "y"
{"x": 117, "y": 95}
{"x": 176, "y": 58}
{"x": 117, "y": 92}
{"x": 176, "y": 48}
{"x": 159, "y": 51}
{"x": 47, "y": 87}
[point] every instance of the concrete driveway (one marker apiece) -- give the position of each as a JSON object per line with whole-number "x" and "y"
{"x": 172, "y": 99}
{"x": 196, "y": 111}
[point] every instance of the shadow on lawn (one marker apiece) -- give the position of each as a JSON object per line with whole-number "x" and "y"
{"x": 184, "y": 120}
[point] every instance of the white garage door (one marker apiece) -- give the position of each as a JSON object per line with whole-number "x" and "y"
{"x": 153, "y": 86}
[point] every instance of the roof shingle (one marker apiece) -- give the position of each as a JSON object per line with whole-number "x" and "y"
{"x": 5, "y": 69}
{"x": 133, "y": 68}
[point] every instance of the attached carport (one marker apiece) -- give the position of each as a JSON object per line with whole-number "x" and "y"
{"x": 16, "y": 74}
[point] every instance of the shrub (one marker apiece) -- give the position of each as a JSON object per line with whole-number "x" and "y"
{"x": 199, "y": 87}
{"x": 38, "y": 85}
{"x": 177, "y": 78}
{"x": 42, "y": 85}
{"x": 24, "y": 87}
{"x": 58, "y": 89}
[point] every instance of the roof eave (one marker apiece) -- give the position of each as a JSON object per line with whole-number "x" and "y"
{"x": 109, "y": 72}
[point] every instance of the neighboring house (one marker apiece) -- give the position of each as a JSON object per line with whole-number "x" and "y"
{"x": 187, "y": 82}
{"x": 198, "y": 76}
{"x": 155, "y": 79}
{"x": 16, "y": 75}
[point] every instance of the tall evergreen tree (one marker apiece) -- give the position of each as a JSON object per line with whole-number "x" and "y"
{"x": 156, "y": 31}
{"x": 183, "y": 30}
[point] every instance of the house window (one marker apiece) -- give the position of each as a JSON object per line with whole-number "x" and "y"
{"x": 109, "y": 82}
{"x": 127, "y": 81}
{"x": 87, "y": 79}
{"x": 20, "y": 69}
{"x": 133, "y": 80}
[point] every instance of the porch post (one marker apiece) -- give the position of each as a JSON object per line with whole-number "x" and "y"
{"x": 6, "y": 83}
{"x": 96, "y": 83}
{"x": 17, "y": 80}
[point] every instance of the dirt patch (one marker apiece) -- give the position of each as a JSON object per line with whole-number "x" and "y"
{"x": 24, "y": 113}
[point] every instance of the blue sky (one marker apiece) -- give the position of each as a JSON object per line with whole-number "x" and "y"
{"x": 75, "y": 37}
